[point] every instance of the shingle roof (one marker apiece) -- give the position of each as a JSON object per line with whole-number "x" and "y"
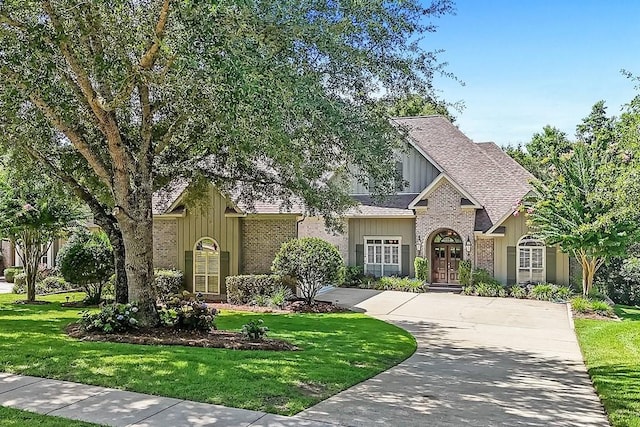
{"x": 164, "y": 198}
{"x": 483, "y": 170}
{"x": 389, "y": 206}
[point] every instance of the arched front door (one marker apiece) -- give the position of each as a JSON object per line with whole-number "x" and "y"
{"x": 446, "y": 254}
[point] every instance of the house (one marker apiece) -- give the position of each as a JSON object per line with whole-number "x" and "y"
{"x": 458, "y": 205}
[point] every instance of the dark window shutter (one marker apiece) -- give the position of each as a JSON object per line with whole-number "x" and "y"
{"x": 405, "y": 260}
{"x": 224, "y": 271}
{"x": 511, "y": 265}
{"x": 188, "y": 270}
{"x": 551, "y": 264}
{"x": 360, "y": 255}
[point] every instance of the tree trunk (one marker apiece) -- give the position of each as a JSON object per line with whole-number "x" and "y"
{"x": 590, "y": 266}
{"x": 136, "y": 226}
{"x": 31, "y": 281}
{"x": 109, "y": 225}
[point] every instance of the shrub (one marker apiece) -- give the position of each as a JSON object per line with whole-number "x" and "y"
{"x": 111, "y": 318}
{"x": 542, "y": 292}
{"x": 562, "y": 293}
{"x": 87, "y": 260}
{"x": 187, "y": 312}
{"x": 10, "y": 273}
{"x": 421, "y": 266}
{"x": 464, "y": 272}
{"x": 580, "y": 305}
{"x": 53, "y": 284}
{"x": 167, "y": 283}
{"x": 480, "y": 275}
{"x": 602, "y": 308}
{"x": 620, "y": 278}
{"x": 244, "y": 289}
{"x": 353, "y": 276}
{"x": 313, "y": 263}
{"x": 20, "y": 283}
{"x": 261, "y": 300}
{"x": 518, "y": 291}
{"x": 468, "y": 290}
{"x": 254, "y": 330}
{"x": 402, "y": 284}
{"x": 483, "y": 289}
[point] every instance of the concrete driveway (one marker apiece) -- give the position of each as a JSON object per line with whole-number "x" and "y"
{"x": 480, "y": 362}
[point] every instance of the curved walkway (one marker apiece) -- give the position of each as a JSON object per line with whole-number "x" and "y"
{"x": 480, "y": 362}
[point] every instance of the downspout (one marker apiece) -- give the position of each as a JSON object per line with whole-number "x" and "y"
{"x": 298, "y": 221}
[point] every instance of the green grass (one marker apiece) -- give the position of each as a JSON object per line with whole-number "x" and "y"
{"x": 339, "y": 350}
{"x": 10, "y": 417}
{"x": 612, "y": 354}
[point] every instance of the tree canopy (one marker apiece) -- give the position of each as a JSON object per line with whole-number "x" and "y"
{"x": 264, "y": 99}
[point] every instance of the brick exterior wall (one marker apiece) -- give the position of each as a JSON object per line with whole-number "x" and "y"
{"x": 165, "y": 243}
{"x": 314, "y": 227}
{"x": 444, "y": 212}
{"x": 484, "y": 254}
{"x": 261, "y": 240}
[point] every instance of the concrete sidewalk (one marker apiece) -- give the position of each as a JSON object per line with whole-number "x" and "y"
{"x": 123, "y": 408}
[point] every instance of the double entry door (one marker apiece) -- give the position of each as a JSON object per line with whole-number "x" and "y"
{"x": 446, "y": 261}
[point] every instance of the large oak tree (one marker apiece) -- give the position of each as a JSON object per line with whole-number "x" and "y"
{"x": 266, "y": 99}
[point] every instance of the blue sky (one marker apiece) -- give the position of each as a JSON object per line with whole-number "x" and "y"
{"x": 529, "y": 63}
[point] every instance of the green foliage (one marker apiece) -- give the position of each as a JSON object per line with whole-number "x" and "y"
{"x": 619, "y": 278}
{"x": 416, "y": 105}
{"x": 537, "y": 155}
{"x": 481, "y": 275}
{"x": 254, "y": 330}
{"x": 581, "y": 305}
{"x": 421, "y": 266}
{"x": 111, "y": 318}
{"x": 602, "y": 308}
{"x": 244, "y": 289}
{"x": 353, "y": 276}
{"x": 483, "y": 289}
{"x": 9, "y": 273}
{"x": 187, "y": 312}
{"x": 464, "y": 272}
{"x": 53, "y": 284}
{"x": 392, "y": 283}
{"x": 313, "y": 263}
{"x": 518, "y": 291}
{"x": 279, "y": 297}
{"x": 168, "y": 283}
{"x": 105, "y": 97}
{"x": 550, "y": 292}
{"x": 87, "y": 260}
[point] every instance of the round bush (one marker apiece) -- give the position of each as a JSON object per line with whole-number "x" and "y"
{"x": 87, "y": 260}
{"x": 313, "y": 263}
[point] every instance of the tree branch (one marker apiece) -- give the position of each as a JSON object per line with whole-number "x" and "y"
{"x": 148, "y": 59}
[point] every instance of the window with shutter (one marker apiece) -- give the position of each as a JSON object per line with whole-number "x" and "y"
{"x": 206, "y": 266}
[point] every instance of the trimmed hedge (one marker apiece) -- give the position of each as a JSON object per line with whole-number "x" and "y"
{"x": 243, "y": 289}
{"x": 48, "y": 285}
{"x": 10, "y": 273}
{"x": 168, "y": 283}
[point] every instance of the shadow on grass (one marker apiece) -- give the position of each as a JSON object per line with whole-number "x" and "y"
{"x": 339, "y": 350}
{"x": 626, "y": 312}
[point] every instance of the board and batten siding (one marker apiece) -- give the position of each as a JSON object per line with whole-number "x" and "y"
{"x": 404, "y": 228}
{"x": 417, "y": 170}
{"x": 516, "y": 227}
{"x": 208, "y": 220}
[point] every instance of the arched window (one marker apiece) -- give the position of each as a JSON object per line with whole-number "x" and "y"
{"x": 531, "y": 260}
{"x": 206, "y": 266}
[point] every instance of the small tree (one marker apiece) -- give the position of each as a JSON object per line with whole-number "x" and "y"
{"x": 32, "y": 215}
{"x": 87, "y": 260}
{"x": 313, "y": 263}
{"x": 575, "y": 208}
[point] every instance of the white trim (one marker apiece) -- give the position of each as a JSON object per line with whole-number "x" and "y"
{"x": 432, "y": 187}
{"x": 542, "y": 247}
{"x": 411, "y": 216}
{"x": 382, "y": 245}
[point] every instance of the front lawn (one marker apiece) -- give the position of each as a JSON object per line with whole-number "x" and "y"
{"x": 612, "y": 354}
{"x": 339, "y": 350}
{"x": 10, "y": 417}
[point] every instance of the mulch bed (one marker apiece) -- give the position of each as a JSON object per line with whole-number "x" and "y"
{"x": 594, "y": 316}
{"x": 168, "y": 336}
{"x": 291, "y": 307}
{"x": 25, "y": 302}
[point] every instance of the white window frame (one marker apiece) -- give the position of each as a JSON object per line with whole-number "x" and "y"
{"x": 382, "y": 245}
{"x": 47, "y": 259}
{"x": 528, "y": 273}
{"x": 209, "y": 288}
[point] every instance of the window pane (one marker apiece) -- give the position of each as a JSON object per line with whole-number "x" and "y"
{"x": 213, "y": 285}
{"x": 370, "y": 254}
{"x": 200, "y": 284}
{"x": 212, "y": 264}
{"x": 395, "y": 259}
{"x": 387, "y": 254}
{"x": 378, "y": 254}
{"x": 536, "y": 261}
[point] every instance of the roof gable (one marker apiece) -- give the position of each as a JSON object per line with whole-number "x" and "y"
{"x": 484, "y": 171}
{"x": 436, "y": 183}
